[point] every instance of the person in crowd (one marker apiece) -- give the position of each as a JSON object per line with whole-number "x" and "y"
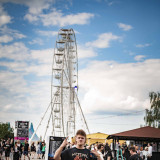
{"x": 16, "y": 152}
{"x": 1, "y": 149}
{"x": 126, "y": 153}
{"x": 145, "y": 153}
{"x": 38, "y": 150}
{"x": 100, "y": 148}
{"x": 43, "y": 149}
{"x": 26, "y": 150}
{"x": 134, "y": 154}
{"x": 137, "y": 149}
{"x": 149, "y": 151}
{"x": 33, "y": 150}
{"x": 7, "y": 148}
{"x": 78, "y": 152}
{"x": 20, "y": 147}
{"x": 119, "y": 153}
{"x": 12, "y": 151}
{"x": 141, "y": 152}
{"x": 108, "y": 153}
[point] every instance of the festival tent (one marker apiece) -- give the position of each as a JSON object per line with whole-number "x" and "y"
{"x": 31, "y": 131}
{"x": 99, "y": 137}
{"x": 143, "y": 135}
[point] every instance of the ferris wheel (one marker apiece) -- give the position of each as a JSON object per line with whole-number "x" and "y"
{"x": 64, "y": 106}
{"x": 64, "y": 83}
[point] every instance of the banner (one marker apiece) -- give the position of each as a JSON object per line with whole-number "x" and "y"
{"x": 21, "y": 130}
{"x": 52, "y": 144}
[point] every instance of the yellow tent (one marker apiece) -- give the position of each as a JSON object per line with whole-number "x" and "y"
{"x": 97, "y": 137}
{"x": 100, "y": 138}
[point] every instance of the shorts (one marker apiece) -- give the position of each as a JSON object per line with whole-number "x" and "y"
{"x": 25, "y": 153}
{"x": 38, "y": 152}
{"x": 7, "y": 154}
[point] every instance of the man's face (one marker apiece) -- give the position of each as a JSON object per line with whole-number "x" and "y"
{"x": 80, "y": 140}
{"x": 102, "y": 148}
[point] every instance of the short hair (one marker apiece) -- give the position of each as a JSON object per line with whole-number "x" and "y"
{"x": 132, "y": 149}
{"x": 99, "y": 146}
{"x": 81, "y": 132}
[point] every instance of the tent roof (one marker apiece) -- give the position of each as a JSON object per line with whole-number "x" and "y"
{"x": 142, "y": 134}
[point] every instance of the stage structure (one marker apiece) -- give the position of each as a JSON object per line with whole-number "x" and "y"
{"x": 65, "y": 112}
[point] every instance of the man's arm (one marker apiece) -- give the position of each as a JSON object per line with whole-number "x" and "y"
{"x": 96, "y": 154}
{"x": 57, "y": 155}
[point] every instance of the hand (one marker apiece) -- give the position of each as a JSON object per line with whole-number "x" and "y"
{"x": 65, "y": 142}
{"x": 95, "y": 153}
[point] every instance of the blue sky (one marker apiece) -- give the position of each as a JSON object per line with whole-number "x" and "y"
{"x": 119, "y": 58}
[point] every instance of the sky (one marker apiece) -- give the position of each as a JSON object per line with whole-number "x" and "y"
{"x": 118, "y": 58}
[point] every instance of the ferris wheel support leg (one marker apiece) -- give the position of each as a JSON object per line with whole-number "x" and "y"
{"x": 39, "y": 124}
{"x": 82, "y": 112}
{"x": 47, "y": 125}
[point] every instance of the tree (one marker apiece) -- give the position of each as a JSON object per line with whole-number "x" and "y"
{"x": 6, "y": 131}
{"x": 153, "y": 115}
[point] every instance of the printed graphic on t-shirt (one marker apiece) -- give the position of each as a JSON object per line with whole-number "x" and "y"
{"x": 80, "y": 156}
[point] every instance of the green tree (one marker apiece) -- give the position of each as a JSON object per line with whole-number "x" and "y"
{"x": 6, "y": 131}
{"x": 153, "y": 115}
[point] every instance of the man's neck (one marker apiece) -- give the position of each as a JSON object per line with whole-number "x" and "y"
{"x": 80, "y": 146}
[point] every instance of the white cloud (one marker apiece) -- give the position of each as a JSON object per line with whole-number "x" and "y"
{"x": 10, "y": 34}
{"x": 35, "y": 6}
{"x": 124, "y": 27}
{"x": 5, "y": 39}
{"x": 40, "y": 54}
{"x": 56, "y": 18}
{"x": 4, "y": 17}
{"x": 47, "y": 33}
{"x": 36, "y": 41}
{"x": 103, "y": 40}
{"x": 85, "y": 52}
{"x": 16, "y": 51}
{"x": 110, "y": 87}
{"x": 142, "y": 45}
{"x": 139, "y": 57}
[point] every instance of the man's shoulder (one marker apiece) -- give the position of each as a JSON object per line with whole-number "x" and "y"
{"x": 135, "y": 157}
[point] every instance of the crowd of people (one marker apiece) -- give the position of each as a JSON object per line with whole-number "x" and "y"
{"x": 76, "y": 151}
{"x": 15, "y": 150}
{"x": 121, "y": 151}
{"x": 99, "y": 151}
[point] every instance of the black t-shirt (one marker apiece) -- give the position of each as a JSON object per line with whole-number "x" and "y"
{"x": 7, "y": 147}
{"x": 26, "y": 147}
{"x": 108, "y": 154}
{"x": 135, "y": 157}
{"x": 76, "y": 154}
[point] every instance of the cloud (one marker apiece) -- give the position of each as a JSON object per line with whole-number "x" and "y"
{"x": 124, "y": 27}
{"x": 16, "y": 51}
{"x": 47, "y": 33}
{"x": 4, "y": 17}
{"x": 103, "y": 40}
{"x": 109, "y": 86}
{"x": 85, "y": 52}
{"x": 9, "y": 35}
{"x": 56, "y": 18}
{"x": 142, "y": 45}
{"x": 35, "y": 6}
{"x": 5, "y": 39}
{"x": 139, "y": 57}
{"x": 36, "y": 41}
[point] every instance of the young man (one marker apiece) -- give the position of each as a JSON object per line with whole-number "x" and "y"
{"x": 78, "y": 152}
{"x": 26, "y": 150}
{"x": 100, "y": 148}
{"x": 134, "y": 155}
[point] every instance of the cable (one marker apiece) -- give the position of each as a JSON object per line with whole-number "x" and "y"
{"x": 117, "y": 115}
